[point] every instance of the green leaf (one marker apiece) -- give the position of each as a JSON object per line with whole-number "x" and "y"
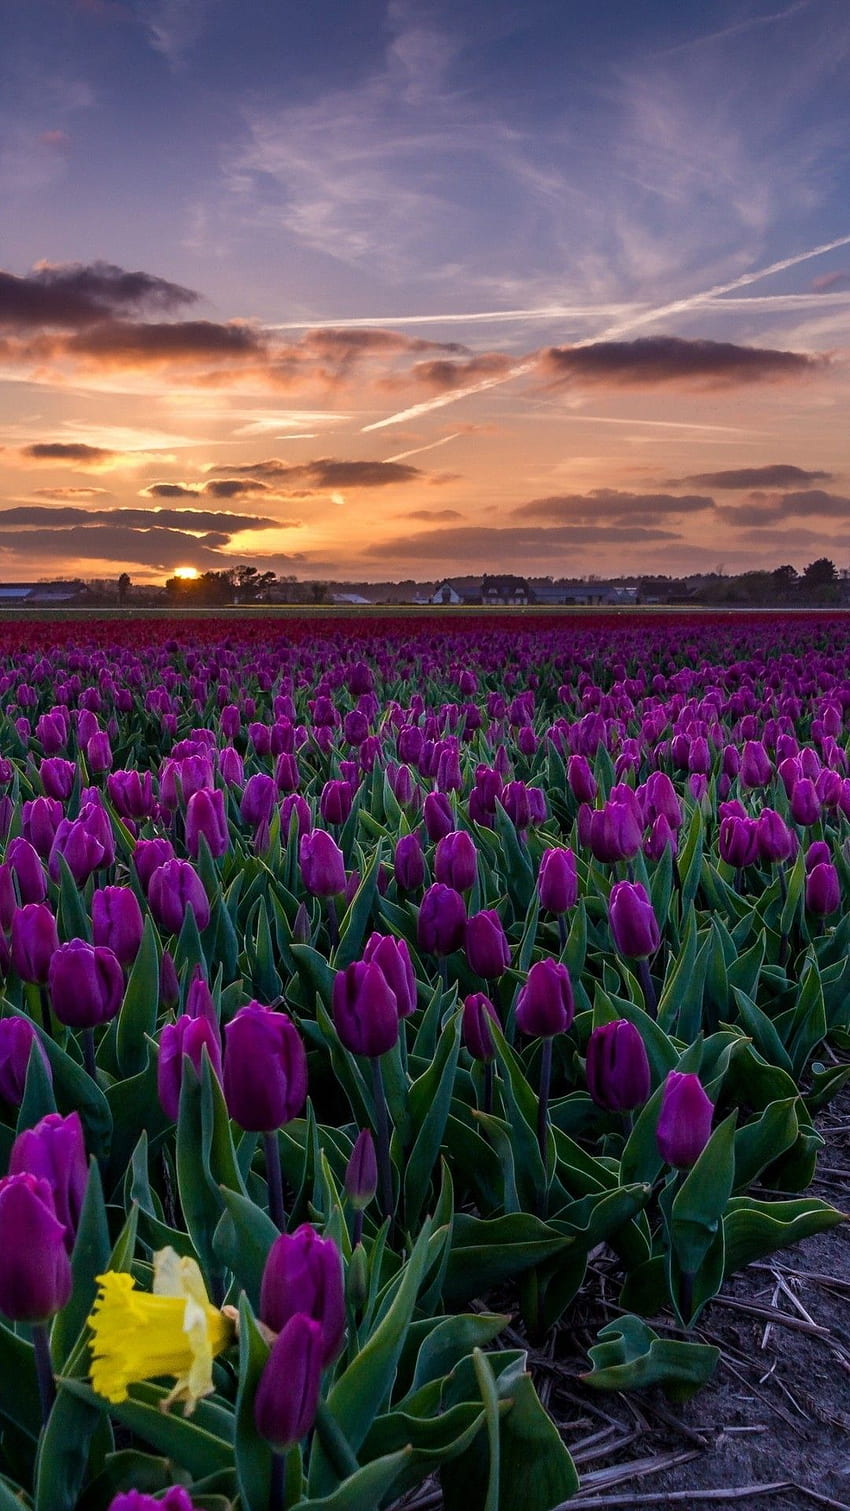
{"x": 72, "y": 918}
{"x": 19, "y": 1401}
{"x": 699, "y": 1203}
{"x": 429, "y": 1102}
{"x": 490, "y": 1400}
{"x": 630, "y": 1355}
{"x": 537, "y": 1471}
{"x": 89, "y": 1259}
{"x": 356, "y": 919}
{"x": 253, "y": 1454}
{"x": 196, "y": 1443}
{"x": 139, "y": 1009}
{"x": 761, "y": 1141}
{"x": 763, "y": 1031}
{"x": 755, "y": 1229}
{"x": 242, "y": 1241}
{"x": 64, "y": 1448}
{"x": 487, "y": 1252}
{"x": 364, "y": 1490}
{"x": 452, "y": 1338}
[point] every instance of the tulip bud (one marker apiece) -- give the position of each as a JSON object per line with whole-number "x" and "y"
{"x": 174, "y": 887}
{"x": 738, "y": 841}
{"x": 438, "y": 816}
{"x": 478, "y": 1013}
{"x": 361, "y": 1172}
{"x": 335, "y": 802}
{"x": 365, "y": 1010}
{"x": 823, "y": 890}
{"x": 54, "y": 1150}
{"x": 131, "y": 793}
{"x": 169, "y": 986}
{"x": 86, "y": 984}
{"x": 393, "y": 957}
{"x": 303, "y": 1273}
{"x": 545, "y": 1004}
{"x": 265, "y": 1069}
{"x": 148, "y": 855}
{"x": 487, "y": 948}
{"x": 633, "y": 924}
{"x": 613, "y": 832}
{"x": 25, "y": 864}
{"x": 684, "y": 1121}
{"x": 322, "y": 864}
{"x": 441, "y": 921}
{"x": 17, "y": 1037}
{"x": 117, "y": 921}
{"x": 557, "y": 880}
{"x": 817, "y": 851}
{"x": 756, "y": 768}
{"x": 775, "y": 840}
{"x": 618, "y": 1077}
{"x": 456, "y": 860}
{"x": 804, "y": 803}
{"x": 34, "y": 941}
{"x": 409, "y": 862}
{"x": 174, "y": 1499}
{"x": 57, "y": 777}
{"x": 205, "y": 816}
{"x": 186, "y": 1036}
{"x": 258, "y": 799}
{"x": 35, "y": 1271}
{"x": 580, "y": 778}
{"x": 288, "y": 1393}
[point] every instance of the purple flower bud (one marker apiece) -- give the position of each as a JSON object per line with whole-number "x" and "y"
{"x": 545, "y": 1004}
{"x": 478, "y": 1014}
{"x": 303, "y": 1273}
{"x": 24, "y": 861}
{"x": 54, "y": 1150}
{"x": 288, "y": 1392}
{"x": 441, "y": 922}
{"x": 438, "y": 816}
{"x": 409, "y": 862}
{"x": 35, "y": 1271}
{"x": 365, "y": 1010}
{"x": 335, "y": 802}
{"x": 174, "y": 1499}
{"x": 40, "y": 819}
{"x": 287, "y": 777}
{"x": 17, "y": 1037}
{"x": 613, "y": 832}
{"x": 487, "y": 948}
{"x": 661, "y": 837}
{"x": 34, "y": 941}
{"x": 169, "y": 986}
{"x": 258, "y": 799}
{"x": 86, "y": 984}
{"x": 823, "y": 890}
{"x": 82, "y": 849}
{"x": 361, "y": 1172}
{"x": 322, "y": 864}
{"x": 633, "y": 923}
{"x": 456, "y": 860}
{"x": 738, "y": 841}
{"x": 57, "y": 777}
{"x": 580, "y": 778}
{"x": 147, "y": 855}
{"x": 117, "y": 921}
{"x": 205, "y": 816}
{"x": 804, "y": 802}
{"x": 818, "y": 851}
{"x": 265, "y": 1069}
{"x": 393, "y": 957}
{"x": 775, "y": 840}
{"x": 98, "y": 753}
{"x": 618, "y": 1077}
{"x": 661, "y": 798}
{"x": 557, "y": 880}
{"x": 173, "y": 887}
{"x": 684, "y": 1122}
{"x": 131, "y": 793}
{"x": 756, "y": 768}
{"x": 186, "y": 1036}
{"x": 295, "y": 804}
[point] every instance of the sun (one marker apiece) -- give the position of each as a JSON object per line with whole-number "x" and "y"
{"x": 187, "y": 573}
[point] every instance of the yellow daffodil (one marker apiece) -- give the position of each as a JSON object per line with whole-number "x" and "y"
{"x": 175, "y": 1331}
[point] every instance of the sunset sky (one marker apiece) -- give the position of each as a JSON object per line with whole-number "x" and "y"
{"x": 413, "y": 288}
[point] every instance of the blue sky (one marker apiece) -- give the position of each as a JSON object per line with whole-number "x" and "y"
{"x": 488, "y": 282}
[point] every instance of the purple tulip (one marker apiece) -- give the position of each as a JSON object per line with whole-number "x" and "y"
{"x": 756, "y": 767}
{"x": 335, "y": 802}
{"x": 173, "y": 887}
{"x": 117, "y": 921}
{"x": 322, "y": 864}
{"x": 581, "y": 780}
{"x": 456, "y": 860}
{"x": 288, "y": 1393}
{"x": 35, "y": 1271}
{"x": 545, "y": 1004}
{"x": 441, "y": 921}
{"x": 258, "y": 799}
{"x": 186, "y": 1036}
{"x": 684, "y": 1121}
{"x": 738, "y": 841}
{"x": 265, "y": 1069}
{"x": 487, "y": 948}
{"x": 147, "y": 855}
{"x": 438, "y": 816}
{"x": 174, "y": 1499}
{"x": 823, "y": 890}
{"x": 393, "y": 957}
{"x": 57, "y": 777}
{"x": 361, "y": 1172}
{"x": 40, "y": 818}
{"x": 205, "y": 816}
{"x": 25, "y": 864}
{"x": 817, "y": 851}
{"x": 83, "y": 850}
{"x": 775, "y": 840}
{"x": 618, "y": 1076}
{"x": 634, "y": 928}
{"x": 804, "y": 802}
{"x": 34, "y": 941}
{"x": 612, "y": 832}
{"x": 98, "y": 753}
{"x": 303, "y": 1273}
{"x": 557, "y": 880}
{"x": 86, "y": 984}
{"x": 365, "y": 1009}
{"x": 131, "y": 794}
{"x": 409, "y": 862}
{"x": 54, "y": 1151}
{"x": 17, "y": 1037}
{"x": 478, "y": 1014}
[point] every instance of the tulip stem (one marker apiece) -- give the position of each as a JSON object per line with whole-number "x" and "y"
{"x": 44, "y": 1004}
{"x": 335, "y": 1444}
{"x": 277, "y": 1483}
{"x": 562, "y": 933}
{"x": 274, "y": 1180}
{"x": 487, "y": 1098}
{"x": 543, "y": 1098}
{"x": 333, "y": 922}
{"x": 443, "y": 970}
{"x": 43, "y": 1369}
{"x": 647, "y": 986}
{"x": 382, "y": 1138}
{"x": 88, "y": 1053}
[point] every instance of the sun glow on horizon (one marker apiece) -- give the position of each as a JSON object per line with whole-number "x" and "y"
{"x": 188, "y": 574}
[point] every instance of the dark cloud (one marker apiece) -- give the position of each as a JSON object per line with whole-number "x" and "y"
{"x": 195, "y": 520}
{"x": 70, "y": 451}
{"x": 443, "y": 376}
{"x": 66, "y": 493}
{"x": 610, "y": 504}
{"x": 215, "y": 488}
{"x": 826, "y": 282}
{"x": 327, "y": 474}
{"x": 435, "y": 516}
{"x": 470, "y": 544}
{"x": 653, "y": 361}
{"x": 74, "y": 295}
{"x": 768, "y": 509}
{"x": 775, "y": 475}
{"x": 134, "y": 343}
{"x": 343, "y": 343}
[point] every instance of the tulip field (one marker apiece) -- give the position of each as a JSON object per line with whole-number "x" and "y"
{"x": 362, "y": 980}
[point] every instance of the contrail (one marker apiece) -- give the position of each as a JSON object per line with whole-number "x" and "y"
{"x": 534, "y": 312}
{"x": 642, "y": 317}
{"x": 403, "y": 455}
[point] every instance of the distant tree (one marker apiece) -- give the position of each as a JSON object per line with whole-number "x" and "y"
{"x": 820, "y": 573}
{"x": 319, "y": 592}
{"x": 123, "y": 587}
{"x": 785, "y": 578}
